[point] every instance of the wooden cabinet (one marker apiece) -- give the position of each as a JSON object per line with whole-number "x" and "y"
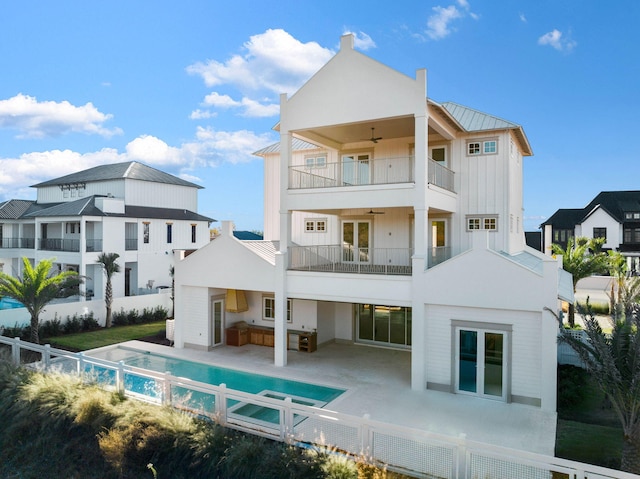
{"x": 307, "y": 342}
{"x": 237, "y": 336}
{"x": 261, "y": 336}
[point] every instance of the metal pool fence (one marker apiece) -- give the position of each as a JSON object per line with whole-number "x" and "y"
{"x": 271, "y": 414}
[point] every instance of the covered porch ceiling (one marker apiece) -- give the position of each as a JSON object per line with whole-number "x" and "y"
{"x": 336, "y": 136}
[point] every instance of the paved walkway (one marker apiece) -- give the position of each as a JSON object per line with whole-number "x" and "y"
{"x": 378, "y": 384}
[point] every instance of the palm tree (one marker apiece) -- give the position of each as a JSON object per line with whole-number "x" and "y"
{"x": 617, "y": 266}
{"x": 582, "y": 258}
{"x": 110, "y": 267}
{"x": 37, "y": 288}
{"x": 613, "y": 362}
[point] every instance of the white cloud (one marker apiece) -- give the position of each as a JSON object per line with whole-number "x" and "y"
{"x": 361, "y": 40}
{"x": 272, "y": 63}
{"x": 17, "y": 174}
{"x": 523, "y": 19}
{"x": 202, "y": 114}
{"x": 209, "y": 148}
{"x": 555, "y": 40}
{"x": 34, "y": 119}
{"x": 439, "y": 23}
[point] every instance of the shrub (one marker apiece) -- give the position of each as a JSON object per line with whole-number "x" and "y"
{"x": 51, "y": 328}
{"x": 572, "y": 385}
{"x": 596, "y": 308}
{"x": 147, "y": 315}
{"x": 73, "y": 325}
{"x": 160, "y": 313}
{"x": 17, "y": 331}
{"x": 120, "y": 318}
{"x": 133, "y": 317}
{"x": 89, "y": 323}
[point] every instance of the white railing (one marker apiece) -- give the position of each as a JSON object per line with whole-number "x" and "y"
{"x": 378, "y": 171}
{"x": 346, "y": 259}
{"x": 440, "y": 175}
{"x": 412, "y": 451}
{"x": 568, "y": 355}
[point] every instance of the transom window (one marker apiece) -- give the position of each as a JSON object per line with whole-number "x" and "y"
{"x": 484, "y": 147}
{"x": 269, "y": 309}
{"x": 482, "y": 223}
{"x": 319, "y": 161}
{"x": 315, "y": 225}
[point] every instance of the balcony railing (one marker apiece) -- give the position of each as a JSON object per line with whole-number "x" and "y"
{"x": 438, "y": 255}
{"x": 60, "y": 244}
{"x": 94, "y": 245}
{"x": 26, "y": 243}
{"x": 440, "y": 175}
{"x": 379, "y": 171}
{"x": 346, "y": 259}
{"x": 131, "y": 244}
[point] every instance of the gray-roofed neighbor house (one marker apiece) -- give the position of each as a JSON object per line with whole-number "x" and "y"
{"x": 140, "y": 213}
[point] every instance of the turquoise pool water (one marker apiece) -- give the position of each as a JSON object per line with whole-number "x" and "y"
{"x": 8, "y": 303}
{"x": 268, "y": 386}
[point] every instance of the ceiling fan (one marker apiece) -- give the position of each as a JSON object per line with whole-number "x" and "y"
{"x": 373, "y": 136}
{"x": 371, "y": 212}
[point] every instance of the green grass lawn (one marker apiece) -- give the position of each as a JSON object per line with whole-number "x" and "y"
{"x": 588, "y": 429}
{"x": 106, "y": 336}
{"x": 589, "y": 443}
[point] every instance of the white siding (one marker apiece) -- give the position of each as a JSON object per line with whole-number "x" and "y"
{"x": 195, "y": 316}
{"x": 601, "y": 219}
{"x": 525, "y": 344}
{"x": 161, "y": 195}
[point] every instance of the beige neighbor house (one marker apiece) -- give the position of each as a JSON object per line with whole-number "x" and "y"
{"x": 390, "y": 220}
{"x": 129, "y": 208}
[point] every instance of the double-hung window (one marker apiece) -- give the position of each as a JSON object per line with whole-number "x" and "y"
{"x": 269, "y": 309}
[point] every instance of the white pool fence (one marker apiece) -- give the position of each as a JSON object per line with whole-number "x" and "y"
{"x": 411, "y": 451}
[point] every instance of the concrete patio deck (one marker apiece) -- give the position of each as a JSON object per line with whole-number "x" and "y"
{"x": 378, "y": 384}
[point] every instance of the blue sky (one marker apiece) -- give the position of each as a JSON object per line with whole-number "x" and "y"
{"x": 192, "y": 87}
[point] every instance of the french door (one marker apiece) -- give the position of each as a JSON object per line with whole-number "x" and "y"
{"x": 481, "y": 366}
{"x": 356, "y": 169}
{"x": 217, "y": 321}
{"x": 356, "y": 238}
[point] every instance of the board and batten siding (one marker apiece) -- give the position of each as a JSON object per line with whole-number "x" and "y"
{"x": 525, "y": 344}
{"x": 161, "y": 195}
{"x": 53, "y": 194}
{"x": 195, "y": 316}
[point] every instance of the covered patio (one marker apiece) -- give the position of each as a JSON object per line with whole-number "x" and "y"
{"x": 377, "y": 383}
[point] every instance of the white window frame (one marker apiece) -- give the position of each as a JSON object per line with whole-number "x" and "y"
{"x": 315, "y": 225}
{"x": 269, "y": 309}
{"x": 488, "y": 146}
{"x": 315, "y": 161}
{"x": 482, "y": 222}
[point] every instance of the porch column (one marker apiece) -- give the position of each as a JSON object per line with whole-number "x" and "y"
{"x": 280, "y": 313}
{"x": 418, "y": 328}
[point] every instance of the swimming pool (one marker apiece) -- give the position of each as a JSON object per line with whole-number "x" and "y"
{"x": 267, "y": 386}
{"x": 8, "y": 303}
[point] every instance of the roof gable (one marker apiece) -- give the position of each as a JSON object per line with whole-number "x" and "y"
{"x": 352, "y": 88}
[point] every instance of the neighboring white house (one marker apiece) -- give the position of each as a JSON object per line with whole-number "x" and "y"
{"x": 389, "y": 220}
{"x": 131, "y": 209}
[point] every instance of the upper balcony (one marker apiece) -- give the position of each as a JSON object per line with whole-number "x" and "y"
{"x": 349, "y": 259}
{"x": 361, "y": 170}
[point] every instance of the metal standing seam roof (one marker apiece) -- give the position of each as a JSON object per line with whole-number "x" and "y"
{"x": 265, "y": 249}
{"x": 127, "y": 170}
{"x": 296, "y": 144}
